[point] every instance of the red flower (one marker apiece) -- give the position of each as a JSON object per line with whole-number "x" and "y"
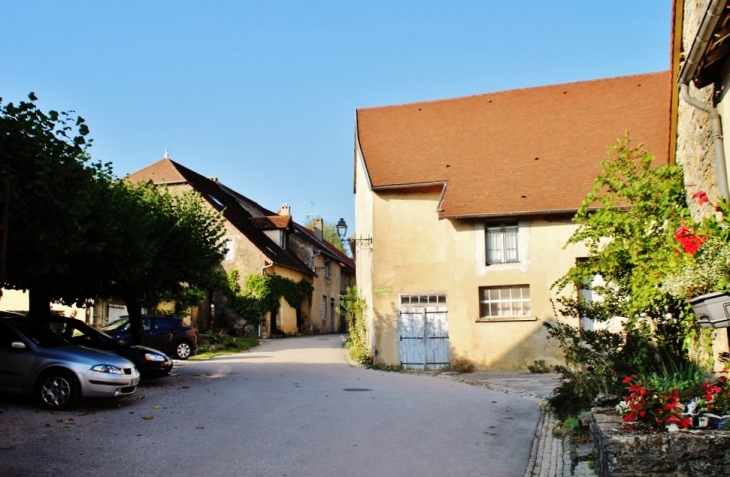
{"x": 689, "y": 240}
{"x": 701, "y": 197}
{"x": 627, "y": 379}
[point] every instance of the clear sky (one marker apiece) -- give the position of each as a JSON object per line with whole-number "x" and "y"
{"x": 262, "y": 94}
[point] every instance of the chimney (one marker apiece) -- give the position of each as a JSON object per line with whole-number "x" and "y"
{"x": 284, "y": 210}
{"x": 318, "y": 225}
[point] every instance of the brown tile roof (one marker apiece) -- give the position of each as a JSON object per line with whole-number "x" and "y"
{"x": 161, "y": 172}
{"x": 168, "y": 171}
{"x": 525, "y": 151}
{"x": 272, "y": 222}
{"x": 300, "y": 231}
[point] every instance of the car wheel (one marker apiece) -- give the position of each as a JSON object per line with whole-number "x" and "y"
{"x": 183, "y": 350}
{"x": 57, "y": 389}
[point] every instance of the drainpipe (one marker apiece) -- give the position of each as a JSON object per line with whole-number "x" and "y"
{"x": 699, "y": 47}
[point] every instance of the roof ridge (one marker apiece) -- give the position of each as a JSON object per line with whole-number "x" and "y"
{"x": 530, "y": 88}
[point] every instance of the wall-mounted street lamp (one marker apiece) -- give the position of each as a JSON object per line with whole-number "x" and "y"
{"x": 342, "y": 233}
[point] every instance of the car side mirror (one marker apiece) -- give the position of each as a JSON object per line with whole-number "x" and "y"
{"x": 17, "y": 345}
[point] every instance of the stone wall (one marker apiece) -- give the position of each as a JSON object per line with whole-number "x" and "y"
{"x": 694, "y": 142}
{"x": 621, "y": 453}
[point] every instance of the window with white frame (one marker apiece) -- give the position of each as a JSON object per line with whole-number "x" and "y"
{"x": 228, "y": 249}
{"x": 416, "y": 300}
{"x": 504, "y": 301}
{"x": 502, "y": 243}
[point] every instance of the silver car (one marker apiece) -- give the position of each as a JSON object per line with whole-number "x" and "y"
{"x": 38, "y": 362}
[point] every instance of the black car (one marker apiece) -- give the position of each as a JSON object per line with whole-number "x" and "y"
{"x": 150, "y": 362}
{"x": 167, "y": 333}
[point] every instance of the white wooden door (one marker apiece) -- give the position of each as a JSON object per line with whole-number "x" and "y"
{"x": 424, "y": 337}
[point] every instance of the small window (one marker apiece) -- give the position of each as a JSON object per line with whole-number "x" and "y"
{"x": 327, "y": 268}
{"x": 228, "y": 250}
{"x": 502, "y": 243}
{"x": 504, "y": 301}
{"x": 414, "y": 300}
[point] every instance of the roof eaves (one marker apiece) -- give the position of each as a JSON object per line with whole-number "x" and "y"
{"x": 520, "y": 213}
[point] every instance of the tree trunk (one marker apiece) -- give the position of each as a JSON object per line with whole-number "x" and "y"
{"x": 134, "y": 308}
{"x": 39, "y": 302}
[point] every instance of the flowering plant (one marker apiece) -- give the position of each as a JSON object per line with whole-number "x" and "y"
{"x": 652, "y": 407}
{"x": 704, "y": 265}
{"x": 717, "y": 395}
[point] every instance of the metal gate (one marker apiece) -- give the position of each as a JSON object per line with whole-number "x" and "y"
{"x": 424, "y": 337}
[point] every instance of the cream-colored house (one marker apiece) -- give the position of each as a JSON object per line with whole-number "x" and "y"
{"x": 700, "y": 107}
{"x": 463, "y": 207}
{"x": 259, "y": 241}
{"x": 334, "y": 271}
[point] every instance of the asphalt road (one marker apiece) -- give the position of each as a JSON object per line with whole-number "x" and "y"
{"x": 291, "y": 407}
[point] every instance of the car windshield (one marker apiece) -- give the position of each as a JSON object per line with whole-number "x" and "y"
{"x": 41, "y": 336}
{"x": 77, "y": 331}
{"x": 119, "y": 325}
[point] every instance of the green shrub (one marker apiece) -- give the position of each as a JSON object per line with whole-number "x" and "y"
{"x": 539, "y": 367}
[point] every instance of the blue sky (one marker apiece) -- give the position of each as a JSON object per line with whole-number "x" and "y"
{"x": 262, "y": 94}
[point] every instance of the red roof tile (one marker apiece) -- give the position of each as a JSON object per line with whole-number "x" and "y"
{"x": 525, "y": 151}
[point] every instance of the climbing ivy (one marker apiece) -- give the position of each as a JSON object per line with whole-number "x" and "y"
{"x": 353, "y": 307}
{"x": 262, "y": 294}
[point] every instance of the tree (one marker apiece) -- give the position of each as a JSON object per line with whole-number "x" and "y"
{"x": 177, "y": 244}
{"x": 44, "y": 159}
{"x": 628, "y": 222}
{"x": 76, "y": 232}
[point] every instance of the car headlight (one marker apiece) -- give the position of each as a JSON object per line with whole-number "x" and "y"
{"x": 153, "y": 357}
{"x": 107, "y": 368}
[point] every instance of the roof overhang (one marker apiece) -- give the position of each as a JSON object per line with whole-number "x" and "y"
{"x": 710, "y": 46}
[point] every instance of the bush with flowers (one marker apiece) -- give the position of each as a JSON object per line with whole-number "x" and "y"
{"x": 651, "y": 407}
{"x": 703, "y": 263}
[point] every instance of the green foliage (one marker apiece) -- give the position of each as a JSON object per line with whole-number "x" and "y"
{"x": 627, "y": 222}
{"x": 218, "y": 343}
{"x": 262, "y": 294}
{"x": 353, "y": 307}
{"x": 390, "y": 368}
{"x": 187, "y": 298}
{"x": 595, "y": 364}
{"x": 53, "y": 192}
{"x": 569, "y": 427}
{"x": 539, "y": 367}
{"x": 669, "y": 373}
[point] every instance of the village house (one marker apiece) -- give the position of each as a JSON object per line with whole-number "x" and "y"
{"x": 259, "y": 241}
{"x": 463, "y": 207}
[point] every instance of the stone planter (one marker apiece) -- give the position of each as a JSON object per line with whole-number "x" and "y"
{"x": 621, "y": 453}
{"x": 712, "y": 309}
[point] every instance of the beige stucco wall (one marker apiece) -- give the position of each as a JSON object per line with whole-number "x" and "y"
{"x": 325, "y": 289}
{"x": 364, "y": 253}
{"x": 415, "y": 252}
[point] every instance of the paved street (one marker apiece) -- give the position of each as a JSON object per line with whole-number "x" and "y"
{"x": 292, "y": 407}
